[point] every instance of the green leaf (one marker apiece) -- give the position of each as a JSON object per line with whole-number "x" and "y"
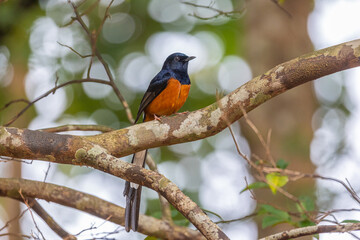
{"x": 182, "y": 222}
{"x": 151, "y": 238}
{"x": 306, "y": 223}
{"x": 281, "y": 163}
{"x": 264, "y": 208}
{"x": 255, "y": 185}
{"x": 276, "y": 180}
{"x": 350, "y": 221}
{"x": 156, "y": 214}
{"x": 268, "y": 209}
{"x": 307, "y": 202}
{"x": 174, "y": 213}
{"x": 269, "y": 221}
{"x": 274, "y": 216}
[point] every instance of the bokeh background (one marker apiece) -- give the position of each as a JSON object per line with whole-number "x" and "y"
{"x": 315, "y": 127}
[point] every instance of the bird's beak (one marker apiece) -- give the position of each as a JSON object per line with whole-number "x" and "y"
{"x": 189, "y": 58}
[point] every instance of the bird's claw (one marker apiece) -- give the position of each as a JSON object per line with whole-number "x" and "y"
{"x": 157, "y": 118}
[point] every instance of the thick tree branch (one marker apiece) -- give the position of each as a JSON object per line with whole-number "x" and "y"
{"x": 10, "y": 187}
{"x": 190, "y": 126}
{"x": 94, "y": 156}
{"x": 98, "y": 158}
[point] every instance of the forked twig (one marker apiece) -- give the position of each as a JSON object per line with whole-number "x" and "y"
{"x": 261, "y": 139}
{"x": 52, "y": 91}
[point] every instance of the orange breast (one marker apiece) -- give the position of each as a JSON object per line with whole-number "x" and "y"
{"x": 169, "y": 101}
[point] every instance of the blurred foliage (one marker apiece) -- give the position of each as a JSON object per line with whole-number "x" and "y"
{"x": 281, "y": 163}
{"x": 17, "y": 20}
{"x": 273, "y": 216}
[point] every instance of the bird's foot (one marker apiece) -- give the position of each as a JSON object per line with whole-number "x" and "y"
{"x": 157, "y": 118}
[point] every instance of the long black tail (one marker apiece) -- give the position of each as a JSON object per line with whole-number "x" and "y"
{"x": 132, "y": 192}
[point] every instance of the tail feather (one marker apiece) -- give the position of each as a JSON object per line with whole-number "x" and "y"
{"x": 132, "y": 192}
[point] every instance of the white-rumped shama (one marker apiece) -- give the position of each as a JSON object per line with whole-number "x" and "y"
{"x": 166, "y": 94}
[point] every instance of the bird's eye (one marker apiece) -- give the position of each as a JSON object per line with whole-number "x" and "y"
{"x": 176, "y": 59}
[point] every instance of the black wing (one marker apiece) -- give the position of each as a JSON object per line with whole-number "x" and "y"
{"x": 157, "y": 85}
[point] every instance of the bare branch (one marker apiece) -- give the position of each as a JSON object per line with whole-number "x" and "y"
{"x": 73, "y": 50}
{"x": 260, "y": 137}
{"x": 12, "y": 102}
{"x": 311, "y": 230}
{"x": 87, "y": 11}
{"x": 92, "y": 205}
{"x": 106, "y": 15}
{"x": 32, "y": 216}
{"x": 98, "y": 55}
{"x": 71, "y": 127}
{"x": 52, "y": 91}
{"x": 347, "y": 187}
{"x": 237, "y": 219}
{"x": 49, "y": 220}
{"x": 16, "y": 218}
{"x": 9, "y": 159}
{"x": 18, "y": 235}
{"x": 47, "y": 172}
{"x": 92, "y": 227}
{"x": 236, "y": 14}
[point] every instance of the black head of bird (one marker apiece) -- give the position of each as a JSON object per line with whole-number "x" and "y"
{"x": 177, "y": 61}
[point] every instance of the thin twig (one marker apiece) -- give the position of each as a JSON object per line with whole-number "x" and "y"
{"x": 47, "y": 172}
{"x": 256, "y": 131}
{"x": 51, "y": 91}
{"x": 71, "y": 127}
{"x": 238, "y": 219}
{"x": 32, "y": 216}
{"x": 9, "y": 159}
{"x": 12, "y": 102}
{"x": 18, "y": 217}
{"x": 106, "y": 15}
{"x": 87, "y": 11}
{"x": 49, "y": 220}
{"x": 17, "y": 235}
{"x": 74, "y": 51}
{"x": 93, "y": 227}
{"x": 229, "y": 14}
{"x": 311, "y": 230}
{"x": 349, "y": 189}
{"x": 100, "y": 58}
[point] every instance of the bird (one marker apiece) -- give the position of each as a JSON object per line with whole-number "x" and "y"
{"x": 166, "y": 94}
